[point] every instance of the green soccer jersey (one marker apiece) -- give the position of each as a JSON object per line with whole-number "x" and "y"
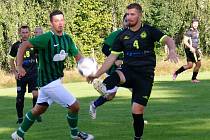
{"x": 52, "y": 51}
{"x": 109, "y": 41}
{"x": 111, "y": 38}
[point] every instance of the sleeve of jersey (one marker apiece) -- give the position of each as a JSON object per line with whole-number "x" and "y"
{"x": 40, "y": 41}
{"x": 188, "y": 33}
{"x": 117, "y": 47}
{"x": 157, "y": 35}
{"x": 13, "y": 51}
{"x": 73, "y": 51}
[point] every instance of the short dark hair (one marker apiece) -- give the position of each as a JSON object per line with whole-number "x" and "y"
{"x": 124, "y": 16}
{"x": 135, "y": 6}
{"x": 24, "y": 27}
{"x": 55, "y": 12}
{"x": 195, "y": 20}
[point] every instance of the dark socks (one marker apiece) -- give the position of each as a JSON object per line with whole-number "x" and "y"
{"x": 101, "y": 100}
{"x": 34, "y": 101}
{"x": 138, "y": 125}
{"x": 194, "y": 75}
{"x": 112, "y": 81}
{"x": 180, "y": 70}
{"x": 19, "y": 106}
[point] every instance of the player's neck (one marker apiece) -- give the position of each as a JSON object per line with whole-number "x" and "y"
{"x": 57, "y": 33}
{"x": 136, "y": 27}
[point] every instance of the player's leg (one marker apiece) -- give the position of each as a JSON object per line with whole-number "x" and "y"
{"x": 190, "y": 60}
{"x": 33, "y": 88}
{"x": 142, "y": 86}
{"x": 195, "y": 72}
{"x": 31, "y": 116}
{"x": 98, "y": 102}
{"x": 63, "y": 97}
{"x": 21, "y": 89}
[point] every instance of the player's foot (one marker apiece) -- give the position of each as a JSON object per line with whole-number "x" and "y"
{"x": 137, "y": 138}
{"x": 99, "y": 86}
{"x": 92, "y": 110}
{"x": 174, "y": 76}
{"x": 83, "y": 136}
{"x": 39, "y": 119}
{"x": 15, "y": 136}
{"x": 195, "y": 81}
{"x": 19, "y": 121}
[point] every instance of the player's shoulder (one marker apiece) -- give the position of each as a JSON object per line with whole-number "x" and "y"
{"x": 147, "y": 26}
{"x": 16, "y": 44}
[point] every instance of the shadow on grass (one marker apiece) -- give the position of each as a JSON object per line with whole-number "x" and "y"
{"x": 177, "y": 110}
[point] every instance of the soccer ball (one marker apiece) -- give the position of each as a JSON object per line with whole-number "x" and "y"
{"x": 87, "y": 66}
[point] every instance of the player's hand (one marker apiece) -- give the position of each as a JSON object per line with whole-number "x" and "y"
{"x": 90, "y": 78}
{"x": 192, "y": 50}
{"x": 21, "y": 71}
{"x": 118, "y": 63}
{"x": 16, "y": 75}
{"x": 172, "y": 56}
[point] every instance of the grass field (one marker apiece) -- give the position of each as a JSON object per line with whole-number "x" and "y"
{"x": 177, "y": 110}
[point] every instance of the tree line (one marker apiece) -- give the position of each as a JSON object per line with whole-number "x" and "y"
{"x": 90, "y": 21}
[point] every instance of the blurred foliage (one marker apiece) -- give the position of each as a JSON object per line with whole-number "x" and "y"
{"x": 89, "y": 21}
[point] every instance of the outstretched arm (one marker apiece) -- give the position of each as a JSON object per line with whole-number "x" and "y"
{"x": 172, "y": 55}
{"x": 105, "y": 67}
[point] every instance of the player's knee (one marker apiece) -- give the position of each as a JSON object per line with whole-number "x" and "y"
{"x": 111, "y": 96}
{"x": 75, "y": 107}
{"x": 20, "y": 99}
{"x": 38, "y": 110}
{"x": 137, "y": 108}
{"x": 112, "y": 81}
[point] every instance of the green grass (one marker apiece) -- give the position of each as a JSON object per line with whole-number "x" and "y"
{"x": 177, "y": 110}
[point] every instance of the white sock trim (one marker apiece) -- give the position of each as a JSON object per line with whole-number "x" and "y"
{"x": 21, "y": 130}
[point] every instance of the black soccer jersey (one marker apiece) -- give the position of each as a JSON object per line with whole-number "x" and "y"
{"x": 138, "y": 47}
{"x": 29, "y": 61}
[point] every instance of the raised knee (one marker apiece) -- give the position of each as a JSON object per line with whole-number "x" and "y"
{"x": 109, "y": 97}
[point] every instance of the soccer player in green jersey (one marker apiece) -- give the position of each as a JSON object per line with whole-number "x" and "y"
{"x": 53, "y": 47}
{"x": 106, "y": 49}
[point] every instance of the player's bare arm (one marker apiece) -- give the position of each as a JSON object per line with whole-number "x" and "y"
{"x": 188, "y": 43}
{"x": 78, "y": 57}
{"x": 172, "y": 55}
{"x": 21, "y": 51}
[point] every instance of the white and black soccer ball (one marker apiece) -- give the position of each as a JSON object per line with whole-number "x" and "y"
{"x": 87, "y": 66}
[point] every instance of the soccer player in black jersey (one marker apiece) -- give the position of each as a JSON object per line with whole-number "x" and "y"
{"x": 30, "y": 78}
{"x": 192, "y": 50}
{"x": 53, "y": 49}
{"x": 137, "y": 72}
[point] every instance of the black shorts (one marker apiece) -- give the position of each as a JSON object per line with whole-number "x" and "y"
{"x": 191, "y": 57}
{"x": 30, "y": 81}
{"x": 141, "y": 84}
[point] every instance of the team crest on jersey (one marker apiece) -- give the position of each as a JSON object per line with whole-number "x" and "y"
{"x": 61, "y": 56}
{"x": 143, "y": 35}
{"x": 126, "y": 37}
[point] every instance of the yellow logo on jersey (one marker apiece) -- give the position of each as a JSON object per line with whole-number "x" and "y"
{"x": 126, "y": 37}
{"x": 143, "y": 35}
{"x": 146, "y": 97}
